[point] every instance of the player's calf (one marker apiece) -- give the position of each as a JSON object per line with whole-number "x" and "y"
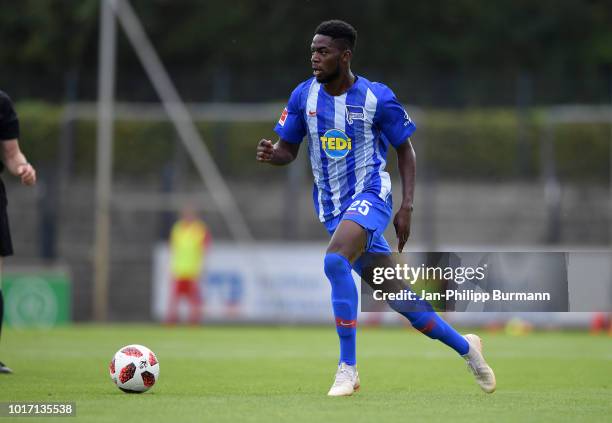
{"x": 344, "y": 302}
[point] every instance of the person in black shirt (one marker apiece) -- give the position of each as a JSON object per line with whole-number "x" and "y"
{"x": 16, "y": 164}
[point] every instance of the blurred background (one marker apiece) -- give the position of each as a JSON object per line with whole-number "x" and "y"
{"x": 512, "y": 101}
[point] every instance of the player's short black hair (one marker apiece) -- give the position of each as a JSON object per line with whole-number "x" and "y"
{"x": 339, "y": 30}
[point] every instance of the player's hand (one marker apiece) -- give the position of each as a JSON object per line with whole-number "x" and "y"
{"x": 401, "y": 222}
{"x": 265, "y": 151}
{"x": 27, "y": 173}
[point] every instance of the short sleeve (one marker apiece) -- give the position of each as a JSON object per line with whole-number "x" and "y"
{"x": 291, "y": 126}
{"x": 9, "y": 124}
{"x": 394, "y": 121}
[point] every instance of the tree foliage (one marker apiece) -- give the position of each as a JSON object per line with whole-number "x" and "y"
{"x": 569, "y": 39}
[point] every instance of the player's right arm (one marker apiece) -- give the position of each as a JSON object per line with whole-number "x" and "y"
{"x": 278, "y": 154}
{"x": 291, "y": 130}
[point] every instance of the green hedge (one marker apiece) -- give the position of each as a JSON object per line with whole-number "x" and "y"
{"x": 467, "y": 144}
{"x": 485, "y": 144}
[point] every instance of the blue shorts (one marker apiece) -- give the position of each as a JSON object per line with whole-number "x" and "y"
{"x": 370, "y": 212}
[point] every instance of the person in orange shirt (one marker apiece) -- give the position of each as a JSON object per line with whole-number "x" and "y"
{"x": 189, "y": 242}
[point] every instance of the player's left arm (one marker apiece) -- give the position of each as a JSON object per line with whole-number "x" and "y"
{"x": 16, "y": 162}
{"x": 406, "y": 162}
{"x": 397, "y": 127}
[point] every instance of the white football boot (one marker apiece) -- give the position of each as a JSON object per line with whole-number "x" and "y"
{"x": 4, "y": 369}
{"x": 478, "y": 366}
{"x": 347, "y": 381}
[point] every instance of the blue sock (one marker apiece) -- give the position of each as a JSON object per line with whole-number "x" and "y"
{"x": 432, "y": 325}
{"x": 426, "y": 320}
{"x": 344, "y": 302}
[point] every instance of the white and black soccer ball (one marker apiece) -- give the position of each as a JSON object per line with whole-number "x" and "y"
{"x": 134, "y": 369}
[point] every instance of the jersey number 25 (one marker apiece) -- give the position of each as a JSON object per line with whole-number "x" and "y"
{"x": 362, "y": 206}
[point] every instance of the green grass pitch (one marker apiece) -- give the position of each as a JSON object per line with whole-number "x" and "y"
{"x": 253, "y": 374}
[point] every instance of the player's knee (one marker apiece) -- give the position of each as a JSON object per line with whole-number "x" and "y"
{"x": 336, "y": 247}
{"x": 349, "y": 245}
{"x": 335, "y": 265}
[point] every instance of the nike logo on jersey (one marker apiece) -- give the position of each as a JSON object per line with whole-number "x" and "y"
{"x": 312, "y": 113}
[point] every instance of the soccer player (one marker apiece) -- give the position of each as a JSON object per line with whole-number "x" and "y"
{"x": 350, "y": 123}
{"x": 16, "y": 163}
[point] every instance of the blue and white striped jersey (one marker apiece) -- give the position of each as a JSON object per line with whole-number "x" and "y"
{"x": 348, "y": 139}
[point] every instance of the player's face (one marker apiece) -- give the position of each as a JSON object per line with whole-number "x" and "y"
{"x": 326, "y": 58}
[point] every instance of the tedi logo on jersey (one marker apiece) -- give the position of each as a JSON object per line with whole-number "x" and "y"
{"x": 336, "y": 144}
